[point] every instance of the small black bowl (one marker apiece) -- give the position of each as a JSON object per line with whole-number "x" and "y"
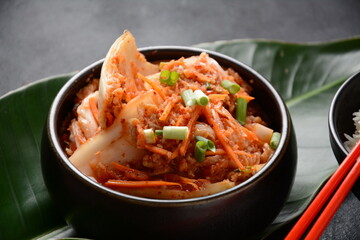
{"x": 242, "y": 211}
{"x": 345, "y": 102}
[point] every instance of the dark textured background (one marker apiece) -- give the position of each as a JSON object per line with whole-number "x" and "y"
{"x": 43, "y": 38}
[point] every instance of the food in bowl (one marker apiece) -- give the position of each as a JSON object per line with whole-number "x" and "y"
{"x": 179, "y": 128}
{"x": 99, "y": 212}
{"x": 355, "y": 137}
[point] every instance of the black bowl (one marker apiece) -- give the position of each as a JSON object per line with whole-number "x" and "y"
{"x": 243, "y": 211}
{"x": 346, "y": 101}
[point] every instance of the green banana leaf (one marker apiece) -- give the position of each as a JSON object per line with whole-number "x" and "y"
{"x": 306, "y": 75}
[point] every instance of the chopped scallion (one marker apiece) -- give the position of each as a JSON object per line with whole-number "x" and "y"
{"x": 210, "y": 144}
{"x": 200, "y": 150}
{"x": 175, "y": 132}
{"x": 174, "y": 76}
{"x": 201, "y": 98}
{"x": 241, "y": 109}
{"x": 158, "y": 132}
{"x": 149, "y": 135}
{"x": 248, "y": 169}
{"x": 168, "y": 78}
{"x": 275, "y": 139}
{"x": 230, "y": 86}
{"x": 188, "y": 97}
{"x": 164, "y": 76}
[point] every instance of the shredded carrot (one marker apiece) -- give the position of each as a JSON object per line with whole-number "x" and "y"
{"x": 173, "y": 161}
{"x": 81, "y": 139}
{"x": 122, "y": 168}
{"x": 190, "y": 73}
{"x": 179, "y": 121}
{"x": 220, "y": 135}
{"x": 251, "y": 134}
{"x": 223, "y": 152}
{"x": 217, "y": 152}
{"x": 175, "y": 153}
{"x": 194, "y": 116}
{"x": 94, "y": 109}
{"x": 184, "y": 180}
{"x": 158, "y": 150}
{"x": 235, "y": 125}
{"x": 169, "y": 106}
{"x": 239, "y": 152}
{"x": 173, "y": 63}
{"x": 243, "y": 131}
{"x": 247, "y": 97}
{"x": 78, "y": 134}
{"x": 153, "y": 85}
{"x": 139, "y": 184}
{"x": 217, "y": 97}
{"x": 189, "y": 181}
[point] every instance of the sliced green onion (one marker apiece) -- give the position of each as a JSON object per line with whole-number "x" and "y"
{"x": 248, "y": 169}
{"x": 188, "y": 97}
{"x": 200, "y": 150}
{"x": 168, "y": 78}
{"x": 158, "y": 132}
{"x": 230, "y": 86}
{"x": 164, "y": 76}
{"x": 275, "y": 139}
{"x": 175, "y": 132}
{"x": 149, "y": 135}
{"x": 210, "y": 144}
{"x": 241, "y": 109}
{"x": 174, "y": 76}
{"x": 201, "y": 98}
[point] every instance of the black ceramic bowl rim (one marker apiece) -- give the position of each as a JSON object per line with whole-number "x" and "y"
{"x": 54, "y": 138}
{"x": 333, "y": 131}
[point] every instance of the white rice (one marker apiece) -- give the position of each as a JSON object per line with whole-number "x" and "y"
{"x": 351, "y": 141}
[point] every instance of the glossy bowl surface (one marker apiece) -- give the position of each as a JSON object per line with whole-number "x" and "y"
{"x": 98, "y": 212}
{"x": 345, "y": 102}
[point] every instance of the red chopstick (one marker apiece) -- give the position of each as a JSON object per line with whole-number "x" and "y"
{"x": 334, "y": 203}
{"x": 350, "y": 162}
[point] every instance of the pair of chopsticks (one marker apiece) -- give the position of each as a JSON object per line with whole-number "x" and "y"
{"x": 346, "y": 175}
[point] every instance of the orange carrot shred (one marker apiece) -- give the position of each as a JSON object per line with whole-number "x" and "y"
{"x": 94, "y": 109}
{"x": 217, "y": 152}
{"x": 219, "y": 133}
{"x": 190, "y": 182}
{"x": 196, "y": 75}
{"x": 251, "y": 134}
{"x": 81, "y": 139}
{"x": 179, "y": 121}
{"x": 217, "y": 97}
{"x": 123, "y": 168}
{"x": 235, "y": 125}
{"x": 247, "y": 97}
{"x": 175, "y": 153}
{"x": 223, "y": 152}
{"x": 169, "y": 106}
{"x": 184, "y": 180}
{"x": 158, "y": 150}
{"x": 173, "y": 63}
{"x": 139, "y": 184}
{"x": 153, "y": 85}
